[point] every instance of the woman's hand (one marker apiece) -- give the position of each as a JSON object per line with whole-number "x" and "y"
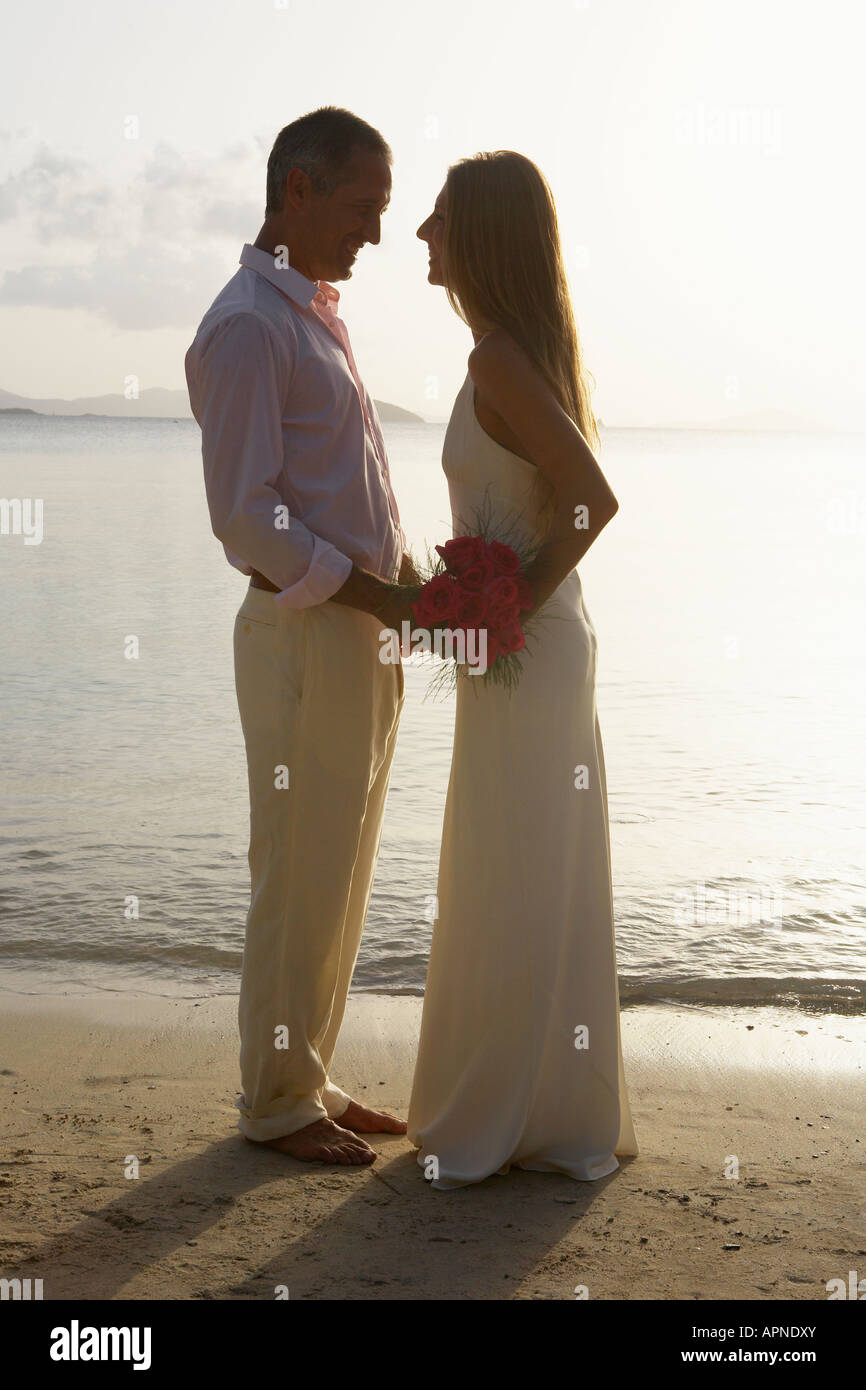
{"x": 408, "y": 573}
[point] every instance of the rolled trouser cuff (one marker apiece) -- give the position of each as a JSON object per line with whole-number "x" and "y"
{"x": 279, "y": 1120}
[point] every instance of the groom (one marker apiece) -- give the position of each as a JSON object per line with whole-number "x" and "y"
{"x": 299, "y": 493}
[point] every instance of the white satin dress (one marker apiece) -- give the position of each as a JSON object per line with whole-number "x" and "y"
{"x": 520, "y": 1058}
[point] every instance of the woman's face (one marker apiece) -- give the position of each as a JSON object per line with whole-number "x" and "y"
{"x": 431, "y": 231}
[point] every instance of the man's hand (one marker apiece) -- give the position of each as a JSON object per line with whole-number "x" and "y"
{"x": 397, "y": 606}
{"x": 390, "y": 604}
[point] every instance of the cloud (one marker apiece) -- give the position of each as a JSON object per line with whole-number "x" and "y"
{"x": 139, "y": 288}
{"x": 143, "y": 253}
{"x": 59, "y": 196}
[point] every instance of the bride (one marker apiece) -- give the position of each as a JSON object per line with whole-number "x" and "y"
{"x": 520, "y": 1059}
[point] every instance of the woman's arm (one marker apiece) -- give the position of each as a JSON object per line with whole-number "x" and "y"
{"x": 511, "y": 385}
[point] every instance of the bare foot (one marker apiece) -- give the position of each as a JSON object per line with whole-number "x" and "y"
{"x": 365, "y": 1121}
{"x": 322, "y": 1142}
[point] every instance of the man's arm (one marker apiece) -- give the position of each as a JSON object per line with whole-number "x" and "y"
{"x": 390, "y": 603}
{"x": 238, "y": 383}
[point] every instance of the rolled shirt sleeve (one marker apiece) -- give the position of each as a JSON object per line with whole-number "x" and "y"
{"x": 238, "y": 383}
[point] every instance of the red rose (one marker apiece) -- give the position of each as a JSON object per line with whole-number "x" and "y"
{"x": 504, "y": 608}
{"x": 436, "y": 601}
{"x": 477, "y": 575}
{"x": 470, "y": 609}
{"x": 502, "y": 592}
{"x": 511, "y": 639}
{"x": 505, "y": 560}
{"x": 460, "y": 552}
{"x": 504, "y": 619}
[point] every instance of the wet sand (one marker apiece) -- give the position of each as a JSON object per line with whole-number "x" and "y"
{"x": 94, "y": 1085}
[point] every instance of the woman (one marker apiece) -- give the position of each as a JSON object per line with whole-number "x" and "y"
{"x": 519, "y": 1058}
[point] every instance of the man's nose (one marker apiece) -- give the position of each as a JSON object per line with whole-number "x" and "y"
{"x": 373, "y": 230}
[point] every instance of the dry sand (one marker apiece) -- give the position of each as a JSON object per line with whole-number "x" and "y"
{"x": 89, "y": 1082}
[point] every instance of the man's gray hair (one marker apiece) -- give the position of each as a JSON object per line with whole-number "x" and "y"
{"x": 323, "y": 144}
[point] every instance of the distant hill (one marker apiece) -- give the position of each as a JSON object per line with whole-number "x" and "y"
{"x": 154, "y": 403}
{"x": 389, "y": 412}
{"x": 159, "y": 403}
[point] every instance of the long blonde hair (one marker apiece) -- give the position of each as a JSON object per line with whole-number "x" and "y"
{"x": 502, "y": 266}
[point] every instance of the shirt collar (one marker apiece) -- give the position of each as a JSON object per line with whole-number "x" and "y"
{"x": 287, "y": 280}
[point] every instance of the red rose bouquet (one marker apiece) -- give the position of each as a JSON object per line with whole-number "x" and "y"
{"x": 470, "y": 609}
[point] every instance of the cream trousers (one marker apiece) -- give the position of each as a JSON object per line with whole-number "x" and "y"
{"x": 319, "y": 713}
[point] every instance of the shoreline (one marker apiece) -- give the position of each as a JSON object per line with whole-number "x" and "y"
{"x": 92, "y": 1081}
{"x": 813, "y": 996}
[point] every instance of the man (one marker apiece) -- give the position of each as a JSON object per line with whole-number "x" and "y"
{"x": 299, "y": 493}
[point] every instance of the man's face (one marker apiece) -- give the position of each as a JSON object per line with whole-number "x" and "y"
{"x": 341, "y": 224}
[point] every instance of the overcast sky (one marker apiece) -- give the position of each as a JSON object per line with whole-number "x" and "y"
{"x": 706, "y": 157}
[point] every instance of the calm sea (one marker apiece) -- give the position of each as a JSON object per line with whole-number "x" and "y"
{"x": 728, "y": 597}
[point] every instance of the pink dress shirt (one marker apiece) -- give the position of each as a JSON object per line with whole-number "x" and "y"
{"x": 289, "y": 429}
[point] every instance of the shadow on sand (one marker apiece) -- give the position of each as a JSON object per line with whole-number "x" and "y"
{"x": 386, "y": 1233}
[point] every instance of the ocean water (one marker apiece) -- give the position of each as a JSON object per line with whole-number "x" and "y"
{"x": 728, "y": 597}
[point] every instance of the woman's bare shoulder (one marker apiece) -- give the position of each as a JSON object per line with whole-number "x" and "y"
{"x": 505, "y": 376}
